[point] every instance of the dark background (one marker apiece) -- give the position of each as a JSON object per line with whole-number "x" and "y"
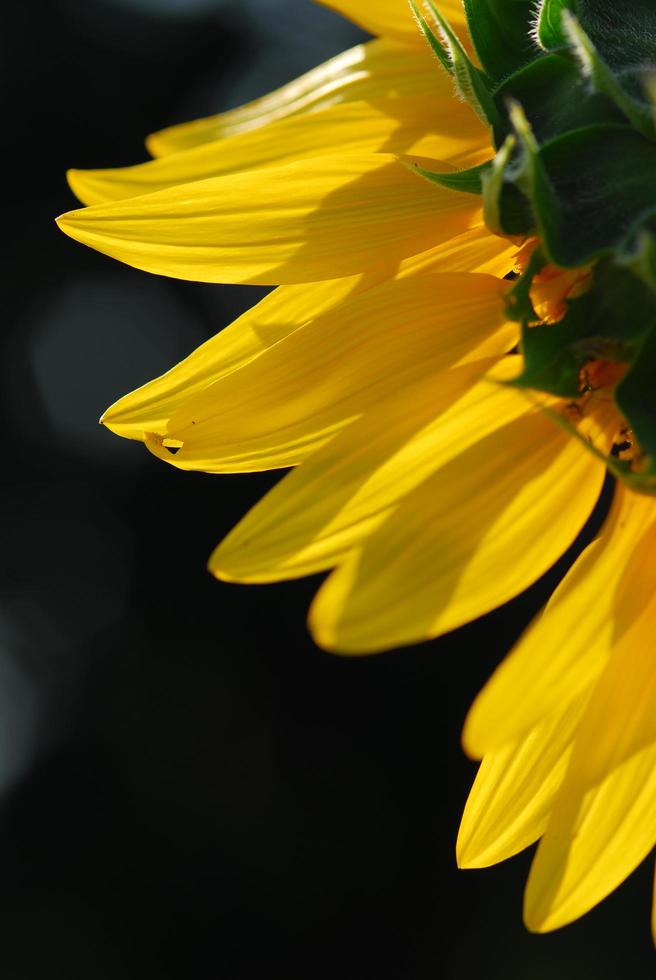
{"x": 188, "y": 787}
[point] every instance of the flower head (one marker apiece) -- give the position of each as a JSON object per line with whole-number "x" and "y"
{"x": 461, "y": 346}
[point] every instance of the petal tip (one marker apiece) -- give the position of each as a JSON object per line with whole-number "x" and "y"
{"x": 232, "y": 562}
{"x": 221, "y": 574}
{"x": 326, "y": 636}
{"x": 219, "y": 569}
{"x": 153, "y": 145}
{"x": 323, "y": 635}
{"x": 72, "y": 178}
{"x": 539, "y": 916}
{"x": 535, "y": 923}
{"x": 470, "y": 741}
{"x": 463, "y": 856}
{"x": 68, "y": 222}
{"x": 81, "y": 184}
{"x": 470, "y": 855}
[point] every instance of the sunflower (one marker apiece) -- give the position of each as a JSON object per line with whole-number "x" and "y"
{"x": 460, "y": 350}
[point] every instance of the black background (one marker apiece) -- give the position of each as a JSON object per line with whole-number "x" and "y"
{"x": 188, "y": 787}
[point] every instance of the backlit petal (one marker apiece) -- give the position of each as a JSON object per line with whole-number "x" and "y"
{"x": 148, "y": 409}
{"x": 511, "y": 799}
{"x": 478, "y": 532}
{"x": 280, "y": 313}
{"x": 424, "y": 125}
{"x": 476, "y": 250}
{"x": 604, "y": 819}
{"x": 324, "y": 508}
{"x": 312, "y": 220}
{"x": 375, "y": 70}
{"x": 288, "y": 402}
{"x": 567, "y": 646}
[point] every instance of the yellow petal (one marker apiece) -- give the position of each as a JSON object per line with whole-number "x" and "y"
{"x": 393, "y": 18}
{"x": 324, "y": 508}
{"x": 279, "y": 314}
{"x": 312, "y": 220}
{"x": 375, "y": 70}
{"x": 476, "y": 250}
{"x": 288, "y": 402}
{"x": 567, "y": 646}
{"x": 428, "y": 126}
{"x": 472, "y": 536}
{"x": 603, "y": 822}
{"x": 511, "y": 799}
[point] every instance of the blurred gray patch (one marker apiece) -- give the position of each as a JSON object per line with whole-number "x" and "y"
{"x": 288, "y": 38}
{"x": 103, "y": 336}
{"x": 293, "y": 37}
{"x": 173, "y": 8}
{"x": 18, "y": 710}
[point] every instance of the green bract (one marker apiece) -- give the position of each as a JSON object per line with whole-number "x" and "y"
{"x": 568, "y": 88}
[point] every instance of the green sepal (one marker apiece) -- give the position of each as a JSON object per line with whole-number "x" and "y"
{"x": 532, "y": 178}
{"x": 640, "y": 113}
{"x": 506, "y": 210}
{"x": 549, "y": 31}
{"x": 519, "y": 306}
{"x": 467, "y": 181}
{"x": 554, "y": 97}
{"x": 624, "y": 31}
{"x": 635, "y": 396}
{"x": 472, "y": 84}
{"x": 595, "y": 326}
{"x": 589, "y": 189}
{"x": 500, "y": 31}
{"x": 434, "y": 42}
